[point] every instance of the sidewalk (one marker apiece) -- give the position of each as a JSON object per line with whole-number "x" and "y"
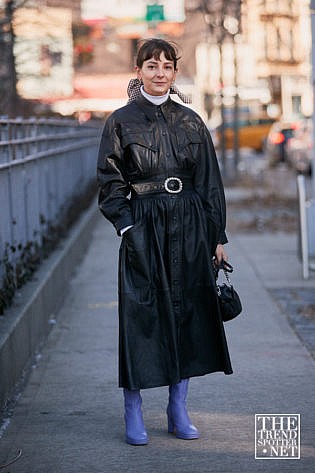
{"x": 69, "y": 418}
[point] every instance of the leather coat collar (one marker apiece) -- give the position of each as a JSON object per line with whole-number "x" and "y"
{"x": 150, "y": 110}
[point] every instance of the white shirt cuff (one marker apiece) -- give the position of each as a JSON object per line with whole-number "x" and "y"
{"x": 123, "y": 230}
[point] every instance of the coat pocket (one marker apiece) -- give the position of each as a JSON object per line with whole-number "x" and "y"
{"x": 143, "y": 138}
{"x": 188, "y": 142}
{"x": 137, "y": 263}
{"x": 140, "y": 150}
{"x": 135, "y": 236}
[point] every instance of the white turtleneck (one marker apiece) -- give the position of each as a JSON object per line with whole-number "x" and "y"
{"x": 155, "y": 99}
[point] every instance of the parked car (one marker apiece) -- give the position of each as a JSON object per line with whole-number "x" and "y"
{"x": 276, "y": 143}
{"x": 300, "y": 148}
{"x": 252, "y": 133}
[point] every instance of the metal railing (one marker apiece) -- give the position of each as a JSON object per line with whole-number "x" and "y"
{"x": 45, "y": 165}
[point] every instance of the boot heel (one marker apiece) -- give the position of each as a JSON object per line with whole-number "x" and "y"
{"x": 170, "y": 425}
{"x": 170, "y": 422}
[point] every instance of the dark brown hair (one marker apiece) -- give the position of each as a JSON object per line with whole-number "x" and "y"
{"x": 153, "y": 48}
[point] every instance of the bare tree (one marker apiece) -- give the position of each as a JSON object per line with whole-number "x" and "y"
{"x": 9, "y": 99}
{"x": 8, "y": 92}
{"x": 223, "y": 19}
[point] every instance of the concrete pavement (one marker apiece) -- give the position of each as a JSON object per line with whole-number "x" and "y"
{"x": 69, "y": 418}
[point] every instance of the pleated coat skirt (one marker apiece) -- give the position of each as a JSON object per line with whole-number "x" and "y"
{"x": 170, "y": 325}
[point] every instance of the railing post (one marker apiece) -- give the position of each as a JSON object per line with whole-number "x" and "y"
{"x": 303, "y": 236}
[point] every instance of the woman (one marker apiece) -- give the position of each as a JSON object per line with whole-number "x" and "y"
{"x": 161, "y": 188}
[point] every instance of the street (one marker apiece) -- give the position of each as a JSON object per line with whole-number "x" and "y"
{"x": 253, "y": 168}
{"x": 70, "y": 416}
{"x": 88, "y": 103}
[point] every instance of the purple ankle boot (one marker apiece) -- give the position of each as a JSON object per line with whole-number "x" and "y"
{"x": 178, "y": 419}
{"x": 135, "y": 430}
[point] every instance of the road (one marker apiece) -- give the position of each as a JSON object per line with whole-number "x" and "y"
{"x": 253, "y": 167}
{"x": 69, "y": 418}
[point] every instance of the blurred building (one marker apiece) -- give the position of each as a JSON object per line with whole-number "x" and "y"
{"x": 82, "y": 52}
{"x": 105, "y": 56}
{"x": 43, "y": 52}
{"x": 104, "y": 59}
{"x": 73, "y": 5}
{"x": 265, "y": 60}
{"x": 279, "y": 33}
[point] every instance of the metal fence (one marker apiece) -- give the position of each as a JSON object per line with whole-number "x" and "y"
{"x": 45, "y": 164}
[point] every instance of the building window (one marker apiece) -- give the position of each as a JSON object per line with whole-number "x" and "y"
{"x": 296, "y": 104}
{"x": 279, "y": 24}
{"x": 48, "y": 59}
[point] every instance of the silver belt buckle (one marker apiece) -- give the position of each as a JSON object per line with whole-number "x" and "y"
{"x": 177, "y": 180}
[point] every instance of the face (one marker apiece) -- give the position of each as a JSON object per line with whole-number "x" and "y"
{"x": 157, "y": 75}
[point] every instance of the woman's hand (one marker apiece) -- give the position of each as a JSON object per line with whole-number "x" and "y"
{"x": 220, "y": 254}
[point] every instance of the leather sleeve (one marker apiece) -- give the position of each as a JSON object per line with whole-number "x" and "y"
{"x": 208, "y": 184}
{"x": 113, "y": 186}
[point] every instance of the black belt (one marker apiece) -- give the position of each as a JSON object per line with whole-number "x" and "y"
{"x": 171, "y": 185}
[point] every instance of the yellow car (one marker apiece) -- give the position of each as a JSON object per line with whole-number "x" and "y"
{"x": 252, "y": 133}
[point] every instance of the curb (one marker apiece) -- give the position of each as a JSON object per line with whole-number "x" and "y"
{"x": 25, "y": 326}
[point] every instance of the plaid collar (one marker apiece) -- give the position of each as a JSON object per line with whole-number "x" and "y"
{"x": 134, "y": 91}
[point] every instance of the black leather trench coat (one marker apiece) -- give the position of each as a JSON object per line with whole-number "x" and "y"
{"x": 169, "y": 322}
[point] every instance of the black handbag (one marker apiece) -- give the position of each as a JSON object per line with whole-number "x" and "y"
{"x": 229, "y": 301}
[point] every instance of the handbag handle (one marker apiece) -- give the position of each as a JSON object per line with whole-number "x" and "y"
{"x": 227, "y": 277}
{"x": 225, "y": 266}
